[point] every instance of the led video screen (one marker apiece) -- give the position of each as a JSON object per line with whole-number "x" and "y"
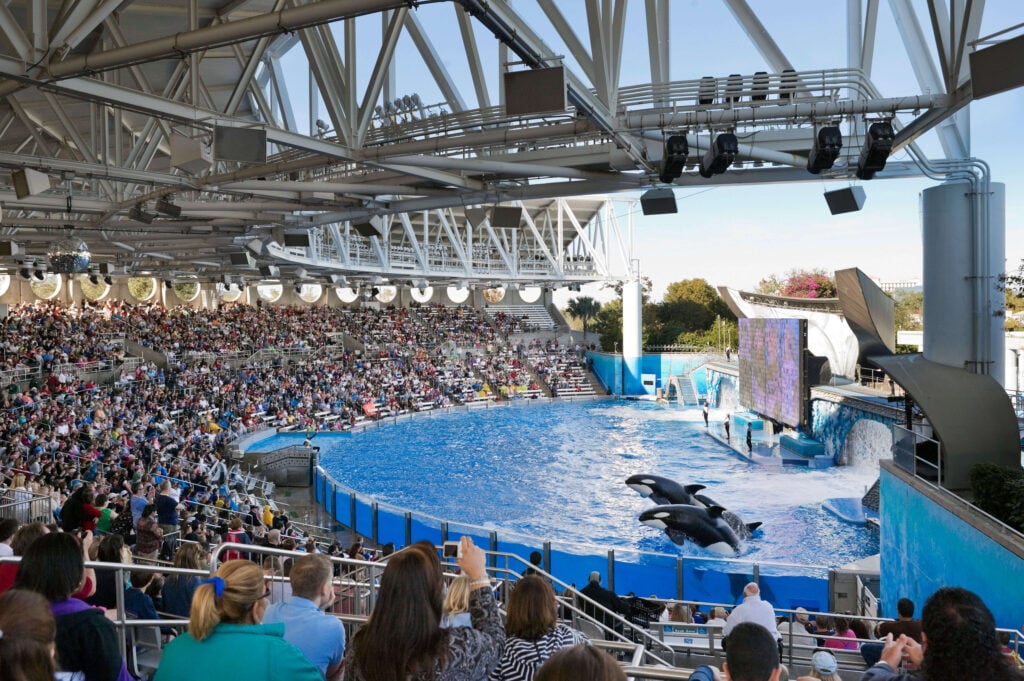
{"x": 771, "y": 368}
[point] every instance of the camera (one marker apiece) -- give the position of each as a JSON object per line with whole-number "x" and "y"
{"x": 451, "y": 549}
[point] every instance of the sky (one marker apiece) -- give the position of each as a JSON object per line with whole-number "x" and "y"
{"x": 735, "y": 236}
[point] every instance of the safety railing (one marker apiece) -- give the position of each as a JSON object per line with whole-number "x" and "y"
{"x": 26, "y": 507}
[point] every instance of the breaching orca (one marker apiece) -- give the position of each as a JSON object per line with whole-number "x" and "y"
{"x": 664, "y": 491}
{"x": 703, "y": 526}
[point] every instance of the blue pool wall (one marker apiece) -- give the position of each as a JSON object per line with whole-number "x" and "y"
{"x": 624, "y": 570}
{"x": 930, "y": 539}
{"x": 609, "y": 370}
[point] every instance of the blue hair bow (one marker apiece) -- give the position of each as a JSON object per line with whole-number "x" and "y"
{"x": 218, "y": 585}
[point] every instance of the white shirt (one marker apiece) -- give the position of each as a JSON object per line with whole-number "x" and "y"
{"x": 5, "y": 550}
{"x": 752, "y": 609}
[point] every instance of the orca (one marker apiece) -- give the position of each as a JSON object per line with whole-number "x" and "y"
{"x": 703, "y": 526}
{"x": 664, "y": 491}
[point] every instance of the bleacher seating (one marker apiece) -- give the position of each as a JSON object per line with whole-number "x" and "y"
{"x": 535, "y": 316}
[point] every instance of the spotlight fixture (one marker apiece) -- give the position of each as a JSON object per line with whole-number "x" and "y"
{"x": 139, "y": 215}
{"x": 40, "y": 275}
{"x": 94, "y": 279}
{"x": 676, "y": 151}
{"x": 168, "y": 283}
{"x": 25, "y": 273}
{"x": 108, "y": 280}
{"x": 167, "y": 207}
{"x": 875, "y": 152}
{"x": 720, "y": 155}
{"x": 825, "y": 151}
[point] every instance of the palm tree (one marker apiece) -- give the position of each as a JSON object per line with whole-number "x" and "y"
{"x": 584, "y": 308}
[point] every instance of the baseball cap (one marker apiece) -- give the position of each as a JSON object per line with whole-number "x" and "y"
{"x": 824, "y": 662}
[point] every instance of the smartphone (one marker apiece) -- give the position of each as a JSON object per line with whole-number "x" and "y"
{"x": 452, "y": 549}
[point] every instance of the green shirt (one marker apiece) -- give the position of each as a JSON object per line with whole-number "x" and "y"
{"x": 248, "y": 652}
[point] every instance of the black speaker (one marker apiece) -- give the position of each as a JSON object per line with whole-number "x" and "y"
{"x": 990, "y": 73}
{"x": 847, "y": 200}
{"x": 506, "y": 216}
{"x": 243, "y": 145}
{"x": 368, "y": 227}
{"x": 535, "y": 91}
{"x": 296, "y": 239}
{"x": 658, "y": 202}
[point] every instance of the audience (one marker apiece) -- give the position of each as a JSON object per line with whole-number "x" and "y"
{"x": 225, "y": 638}
{"x": 752, "y": 655}
{"x": 27, "y": 632}
{"x": 319, "y": 636}
{"x": 53, "y": 566}
{"x": 403, "y": 636}
{"x": 959, "y": 641}
{"x": 179, "y": 589}
{"x": 533, "y": 631}
{"x": 580, "y": 662}
{"x": 455, "y": 612}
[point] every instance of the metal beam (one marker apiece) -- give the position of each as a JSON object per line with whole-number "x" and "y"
{"x": 272, "y": 23}
{"x": 476, "y": 69}
{"x": 434, "y": 62}
{"x": 12, "y": 31}
{"x": 759, "y": 35}
{"x": 379, "y": 73}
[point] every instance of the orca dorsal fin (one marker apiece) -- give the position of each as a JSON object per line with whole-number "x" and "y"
{"x": 715, "y": 511}
{"x": 693, "y": 489}
{"x": 753, "y": 526}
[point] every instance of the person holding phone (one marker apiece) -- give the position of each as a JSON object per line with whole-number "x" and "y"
{"x": 403, "y": 637}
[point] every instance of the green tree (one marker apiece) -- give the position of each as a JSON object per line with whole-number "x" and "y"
{"x": 769, "y": 286}
{"x": 584, "y": 308}
{"x": 608, "y": 325}
{"x": 909, "y": 307}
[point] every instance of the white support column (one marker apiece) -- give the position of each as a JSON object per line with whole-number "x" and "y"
{"x": 632, "y": 333}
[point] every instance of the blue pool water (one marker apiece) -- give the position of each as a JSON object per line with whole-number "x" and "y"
{"x": 556, "y": 471}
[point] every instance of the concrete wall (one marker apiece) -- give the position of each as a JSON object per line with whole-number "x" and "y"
{"x": 930, "y": 539}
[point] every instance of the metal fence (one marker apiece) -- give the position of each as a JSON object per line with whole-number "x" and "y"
{"x": 26, "y": 507}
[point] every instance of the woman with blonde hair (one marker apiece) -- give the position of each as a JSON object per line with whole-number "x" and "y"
{"x": 532, "y": 630}
{"x": 225, "y": 638}
{"x": 456, "y": 604}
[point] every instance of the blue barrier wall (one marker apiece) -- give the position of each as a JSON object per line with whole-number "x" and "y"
{"x": 644, "y": 573}
{"x": 926, "y": 544}
{"x": 608, "y": 369}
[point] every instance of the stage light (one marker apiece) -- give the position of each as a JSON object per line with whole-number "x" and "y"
{"x": 108, "y": 280}
{"x": 875, "y": 152}
{"x": 825, "y": 151}
{"x": 25, "y": 273}
{"x": 140, "y": 215}
{"x": 676, "y": 151}
{"x": 167, "y": 207}
{"x": 40, "y": 275}
{"x": 720, "y": 155}
{"x": 94, "y": 279}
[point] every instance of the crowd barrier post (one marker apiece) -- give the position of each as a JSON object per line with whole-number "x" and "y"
{"x": 408, "y": 528}
{"x": 444, "y": 531}
{"x": 546, "y": 555}
{"x": 352, "y": 510}
{"x": 679, "y": 578}
{"x": 611, "y": 569}
{"x": 494, "y": 549}
{"x": 374, "y": 522}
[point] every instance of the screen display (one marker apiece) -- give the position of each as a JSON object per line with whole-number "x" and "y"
{"x": 771, "y": 368}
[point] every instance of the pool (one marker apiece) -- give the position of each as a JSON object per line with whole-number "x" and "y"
{"x": 556, "y": 471}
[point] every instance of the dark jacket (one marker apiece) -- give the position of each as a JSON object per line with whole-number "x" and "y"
{"x": 87, "y": 642}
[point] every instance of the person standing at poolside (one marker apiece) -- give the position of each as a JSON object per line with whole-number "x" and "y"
{"x": 705, "y": 414}
{"x": 750, "y": 440}
{"x": 726, "y": 425}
